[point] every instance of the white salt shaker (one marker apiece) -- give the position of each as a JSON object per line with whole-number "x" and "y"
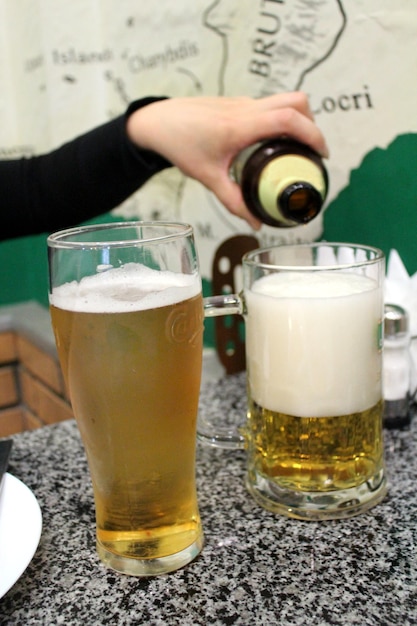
{"x": 397, "y": 366}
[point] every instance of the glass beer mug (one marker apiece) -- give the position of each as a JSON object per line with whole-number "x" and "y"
{"x": 127, "y": 313}
{"x": 313, "y": 321}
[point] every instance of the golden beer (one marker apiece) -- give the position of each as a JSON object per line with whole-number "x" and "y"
{"x": 316, "y": 454}
{"x": 131, "y": 356}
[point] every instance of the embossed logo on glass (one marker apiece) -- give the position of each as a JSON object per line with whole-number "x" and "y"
{"x": 184, "y": 324}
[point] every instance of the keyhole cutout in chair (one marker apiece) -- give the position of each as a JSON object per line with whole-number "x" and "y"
{"x": 226, "y": 278}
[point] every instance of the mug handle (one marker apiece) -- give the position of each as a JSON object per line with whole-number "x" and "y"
{"x": 230, "y": 304}
{"x": 212, "y": 430}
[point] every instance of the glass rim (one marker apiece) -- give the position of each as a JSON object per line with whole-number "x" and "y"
{"x": 250, "y": 260}
{"x": 66, "y": 238}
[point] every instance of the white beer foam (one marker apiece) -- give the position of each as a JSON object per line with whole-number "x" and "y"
{"x": 312, "y": 285}
{"x": 312, "y": 342}
{"x": 132, "y": 287}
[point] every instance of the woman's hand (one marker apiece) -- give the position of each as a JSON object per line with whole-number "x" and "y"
{"x": 202, "y": 136}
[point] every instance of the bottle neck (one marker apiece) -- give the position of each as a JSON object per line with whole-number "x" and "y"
{"x": 291, "y": 189}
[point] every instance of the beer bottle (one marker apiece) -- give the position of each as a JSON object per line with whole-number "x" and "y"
{"x": 284, "y": 183}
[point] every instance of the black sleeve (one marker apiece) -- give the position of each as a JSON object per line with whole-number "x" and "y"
{"x": 80, "y": 180}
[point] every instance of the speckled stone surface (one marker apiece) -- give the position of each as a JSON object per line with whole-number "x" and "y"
{"x": 256, "y": 569}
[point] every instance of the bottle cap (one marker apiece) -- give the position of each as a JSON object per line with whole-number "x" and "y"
{"x": 396, "y": 321}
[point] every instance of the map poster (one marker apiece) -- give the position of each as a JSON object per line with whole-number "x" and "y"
{"x": 68, "y": 66}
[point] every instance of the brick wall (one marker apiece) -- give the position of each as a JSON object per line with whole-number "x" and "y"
{"x": 32, "y": 390}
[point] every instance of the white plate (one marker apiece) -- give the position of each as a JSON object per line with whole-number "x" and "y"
{"x": 20, "y": 530}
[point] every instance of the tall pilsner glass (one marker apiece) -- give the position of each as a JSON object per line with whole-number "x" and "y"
{"x": 127, "y": 313}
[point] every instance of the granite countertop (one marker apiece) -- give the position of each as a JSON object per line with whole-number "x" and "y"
{"x": 256, "y": 569}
